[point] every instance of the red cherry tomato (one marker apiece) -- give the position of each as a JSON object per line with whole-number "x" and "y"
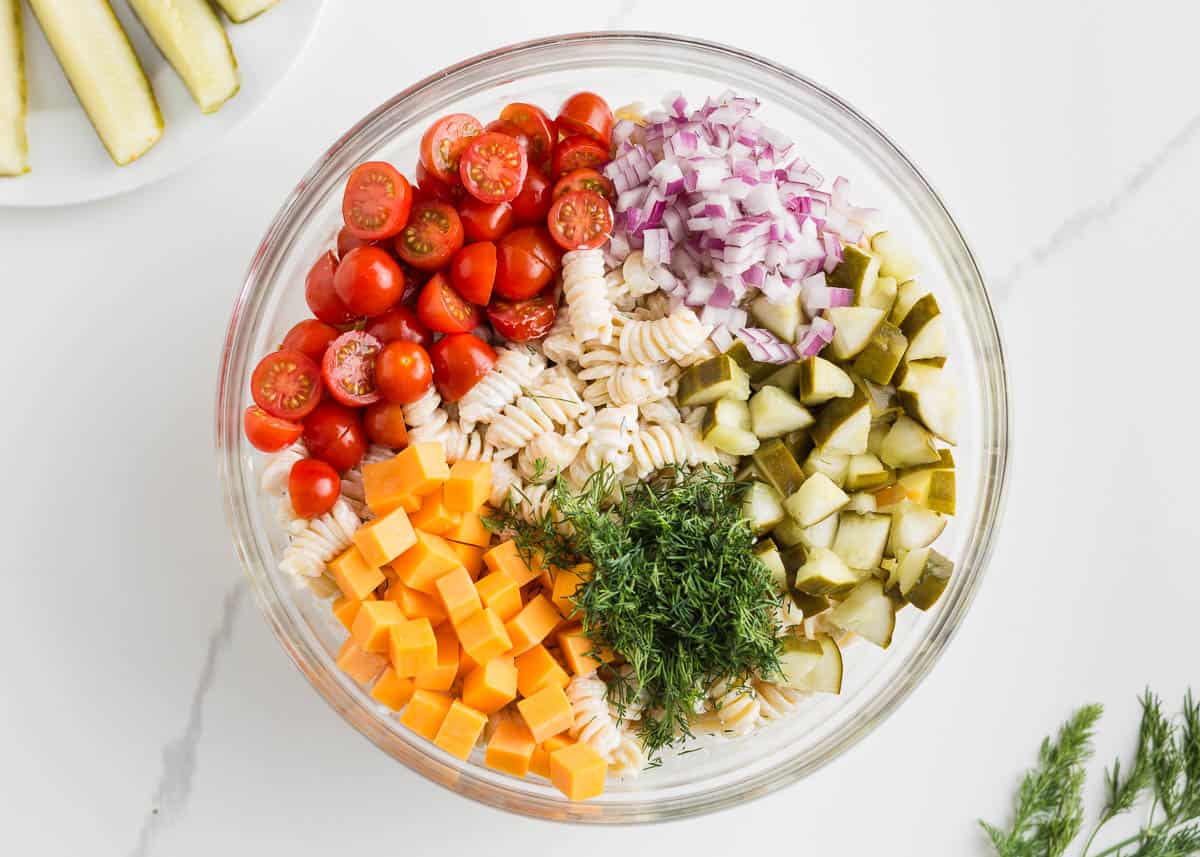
{"x": 320, "y": 295}
{"x": 493, "y": 167}
{"x": 536, "y": 125}
{"x": 286, "y": 384}
{"x": 430, "y": 187}
{"x": 433, "y": 235}
{"x": 586, "y": 178}
{"x": 268, "y": 433}
{"x": 508, "y": 129}
{"x": 532, "y": 203}
{"x": 485, "y": 221}
{"x": 347, "y": 241}
{"x": 444, "y": 142}
{"x": 526, "y": 261}
{"x": 399, "y": 324}
{"x": 384, "y": 422}
{"x": 459, "y": 361}
{"x": 310, "y": 337}
{"x": 586, "y": 113}
{"x": 521, "y": 321}
{"x": 334, "y": 433}
{"x": 313, "y": 487}
{"x": 368, "y": 281}
{"x": 349, "y": 368}
{"x": 577, "y": 152}
{"x": 473, "y": 271}
{"x": 376, "y": 201}
{"x": 442, "y": 309}
{"x": 404, "y": 372}
{"x": 580, "y": 220}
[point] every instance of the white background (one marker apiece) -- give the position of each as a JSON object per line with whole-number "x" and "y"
{"x": 145, "y": 708}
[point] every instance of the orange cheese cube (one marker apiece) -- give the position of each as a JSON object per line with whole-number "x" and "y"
{"x": 536, "y": 669}
{"x": 471, "y": 530}
{"x": 575, "y": 646}
{"x": 536, "y": 621}
{"x": 385, "y": 490}
{"x": 421, "y": 468}
{"x": 433, "y": 516}
{"x": 510, "y": 749}
{"x": 482, "y": 636}
{"x": 417, "y": 605}
{"x": 392, "y": 690}
{"x": 505, "y": 557}
{"x": 578, "y": 771}
{"x": 458, "y": 594}
{"x": 460, "y": 729}
{"x": 382, "y": 540}
{"x": 442, "y": 676}
{"x": 466, "y": 664}
{"x": 372, "y": 626}
{"x": 547, "y": 712}
{"x": 566, "y": 582}
{"x": 501, "y": 593}
{"x": 362, "y": 666}
{"x": 356, "y": 577}
{"x": 426, "y": 711}
{"x": 345, "y": 609}
{"x": 491, "y": 686}
{"x": 427, "y": 560}
{"x": 413, "y": 647}
{"x": 470, "y": 556}
{"x": 469, "y": 485}
{"x": 542, "y": 571}
{"x": 539, "y": 763}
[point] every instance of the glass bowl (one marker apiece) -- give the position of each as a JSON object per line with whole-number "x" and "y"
{"x": 834, "y": 137}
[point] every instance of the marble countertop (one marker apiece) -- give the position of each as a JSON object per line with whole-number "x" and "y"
{"x": 147, "y": 710}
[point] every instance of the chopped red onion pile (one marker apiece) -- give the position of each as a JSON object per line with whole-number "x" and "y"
{"x": 725, "y": 207}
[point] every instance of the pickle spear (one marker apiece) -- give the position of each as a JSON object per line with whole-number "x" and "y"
{"x": 14, "y": 146}
{"x": 190, "y": 36}
{"x": 240, "y": 11}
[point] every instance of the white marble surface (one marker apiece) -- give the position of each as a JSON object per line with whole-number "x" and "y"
{"x": 147, "y": 710}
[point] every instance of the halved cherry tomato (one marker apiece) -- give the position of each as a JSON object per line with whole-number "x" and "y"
{"x": 508, "y": 129}
{"x": 493, "y": 167}
{"x": 536, "y": 125}
{"x": 349, "y": 368}
{"x": 442, "y": 309}
{"x": 268, "y": 433}
{"x": 585, "y": 178}
{"x": 286, "y": 384}
{"x": 521, "y": 321}
{"x": 576, "y": 152}
{"x": 526, "y": 261}
{"x": 473, "y": 271}
{"x": 320, "y": 295}
{"x": 347, "y": 241}
{"x": 334, "y": 433}
{"x": 403, "y": 371}
{"x": 433, "y": 235}
{"x": 399, "y": 324}
{"x": 368, "y": 281}
{"x": 533, "y": 201}
{"x": 384, "y": 422}
{"x": 444, "y": 142}
{"x": 459, "y": 361}
{"x": 313, "y": 487}
{"x": 376, "y": 201}
{"x": 430, "y": 187}
{"x": 586, "y": 113}
{"x": 310, "y": 337}
{"x": 485, "y": 221}
{"x": 580, "y": 220}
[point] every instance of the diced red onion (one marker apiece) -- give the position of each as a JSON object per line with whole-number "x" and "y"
{"x": 656, "y": 246}
{"x": 721, "y": 337}
{"x": 766, "y": 347}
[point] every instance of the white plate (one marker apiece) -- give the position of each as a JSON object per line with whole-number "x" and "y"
{"x": 68, "y": 162}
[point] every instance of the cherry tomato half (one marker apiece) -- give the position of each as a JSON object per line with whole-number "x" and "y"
{"x": 320, "y": 295}
{"x": 313, "y": 487}
{"x": 442, "y": 309}
{"x": 334, "y": 433}
{"x": 310, "y": 337}
{"x": 444, "y": 142}
{"x": 473, "y": 271}
{"x": 585, "y": 178}
{"x": 376, "y": 201}
{"x": 536, "y": 125}
{"x": 526, "y": 261}
{"x": 384, "y": 422}
{"x": 580, "y": 220}
{"x": 433, "y": 235}
{"x": 459, "y": 361}
{"x": 399, "y": 324}
{"x": 430, "y": 187}
{"x": 589, "y": 114}
{"x": 404, "y": 372}
{"x": 532, "y": 203}
{"x": 576, "y": 152}
{"x": 508, "y": 129}
{"x": 521, "y": 321}
{"x": 493, "y": 167}
{"x": 347, "y": 241}
{"x": 268, "y": 433}
{"x": 368, "y": 281}
{"x": 286, "y": 384}
{"x": 349, "y": 368}
{"x": 485, "y": 221}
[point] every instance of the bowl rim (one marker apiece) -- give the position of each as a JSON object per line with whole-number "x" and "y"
{"x": 465, "y": 782}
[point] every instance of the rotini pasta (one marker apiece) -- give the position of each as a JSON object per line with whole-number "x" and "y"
{"x": 593, "y": 722}
{"x": 321, "y": 540}
{"x": 670, "y": 338}
{"x": 737, "y": 708}
{"x": 658, "y": 446}
{"x": 518, "y": 424}
{"x": 775, "y": 700}
{"x": 425, "y": 417}
{"x": 557, "y": 393}
{"x": 549, "y": 454}
{"x": 586, "y": 294}
{"x": 611, "y": 433}
{"x": 515, "y": 368}
{"x": 560, "y": 344}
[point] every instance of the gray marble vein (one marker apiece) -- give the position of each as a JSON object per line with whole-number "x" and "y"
{"x": 1081, "y": 222}
{"x": 179, "y": 755}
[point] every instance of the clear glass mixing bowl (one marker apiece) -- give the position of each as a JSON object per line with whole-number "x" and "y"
{"x": 838, "y": 141}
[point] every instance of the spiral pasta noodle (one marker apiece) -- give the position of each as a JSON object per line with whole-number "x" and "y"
{"x": 658, "y": 446}
{"x": 518, "y": 424}
{"x": 557, "y": 394}
{"x": 776, "y": 701}
{"x": 670, "y": 338}
{"x": 593, "y": 723}
{"x": 515, "y": 368}
{"x": 611, "y": 433}
{"x": 737, "y": 707}
{"x": 425, "y": 417}
{"x": 322, "y": 539}
{"x": 587, "y": 295}
{"x": 549, "y": 454}
{"x": 560, "y": 344}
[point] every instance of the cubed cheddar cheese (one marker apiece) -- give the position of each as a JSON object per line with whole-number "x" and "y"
{"x": 433, "y": 516}
{"x": 422, "y": 564}
{"x": 470, "y": 556}
{"x": 482, "y": 636}
{"x": 575, "y": 647}
{"x": 372, "y": 626}
{"x": 566, "y": 582}
{"x": 539, "y": 763}
{"x": 356, "y": 577}
{"x": 536, "y": 669}
{"x": 382, "y": 540}
{"x": 466, "y": 664}
{"x": 360, "y": 665}
{"x": 442, "y": 676}
{"x": 426, "y": 711}
{"x": 421, "y": 468}
{"x": 471, "y": 530}
{"x": 468, "y": 486}
{"x": 578, "y": 771}
{"x": 543, "y": 571}
{"x": 536, "y": 621}
{"x": 413, "y": 647}
{"x": 505, "y": 557}
{"x": 384, "y": 491}
{"x": 546, "y": 713}
{"x": 501, "y": 593}
{"x": 392, "y": 690}
{"x": 510, "y": 748}
{"x": 417, "y": 605}
{"x": 460, "y": 729}
{"x": 458, "y": 594}
{"x": 346, "y": 608}
{"x": 491, "y": 686}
